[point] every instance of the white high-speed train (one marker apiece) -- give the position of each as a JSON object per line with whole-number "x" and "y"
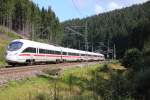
{"x": 21, "y": 51}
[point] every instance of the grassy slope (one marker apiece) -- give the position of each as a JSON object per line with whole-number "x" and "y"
{"x": 32, "y": 88}
{"x": 5, "y": 37}
{"x": 23, "y": 89}
{"x": 28, "y": 89}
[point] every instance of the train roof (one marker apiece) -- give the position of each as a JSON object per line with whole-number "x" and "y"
{"x": 52, "y": 47}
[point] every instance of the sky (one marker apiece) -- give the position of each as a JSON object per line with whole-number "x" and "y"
{"x": 70, "y": 9}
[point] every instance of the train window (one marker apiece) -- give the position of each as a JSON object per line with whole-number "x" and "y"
{"x": 14, "y": 46}
{"x": 50, "y": 52}
{"x": 64, "y": 53}
{"x": 73, "y": 54}
{"x": 46, "y": 51}
{"x": 77, "y": 54}
{"x": 82, "y": 54}
{"x": 57, "y": 52}
{"x": 29, "y": 50}
{"x": 42, "y": 51}
{"x": 69, "y": 53}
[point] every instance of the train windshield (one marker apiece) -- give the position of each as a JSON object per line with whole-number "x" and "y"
{"x": 14, "y": 46}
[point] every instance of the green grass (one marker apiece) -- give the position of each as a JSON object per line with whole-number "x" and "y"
{"x": 78, "y": 75}
{"x": 23, "y": 90}
{"x": 33, "y": 87}
{"x": 3, "y": 44}
{"x": 9, "y": 32}
{"x": 5, "y": 37}
{"x": 80, "y": 71}
{"x": 71, "y": 84}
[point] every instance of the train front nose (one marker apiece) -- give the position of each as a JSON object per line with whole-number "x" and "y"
{"x": 10, "y": 57}
{"x": 12, "y": 51}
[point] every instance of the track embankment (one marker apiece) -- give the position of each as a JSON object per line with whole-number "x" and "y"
{"x": 18, "y": 73}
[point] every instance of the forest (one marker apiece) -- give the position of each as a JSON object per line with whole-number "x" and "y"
{"x": 26, "y": 18}
{"x": 127, "y": 78}
{"x": 126, "y": 28}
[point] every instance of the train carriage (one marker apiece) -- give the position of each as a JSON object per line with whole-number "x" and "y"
{"x": 70, "y": 54}
{"x": 26, "y": 51}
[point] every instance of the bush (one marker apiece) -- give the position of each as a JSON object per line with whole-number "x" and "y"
{"x": 142, "y": 85}
{"x": 146, "y": 56}
{"x": 117, "y": 87}
{"x": 42, "y": 96}
{"x": 133, "y": 59}
{"x": 103, "y": 68}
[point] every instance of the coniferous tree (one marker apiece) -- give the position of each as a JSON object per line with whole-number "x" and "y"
{"x": 25, "y": 17}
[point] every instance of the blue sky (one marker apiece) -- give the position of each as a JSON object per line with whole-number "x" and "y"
{"x": 69, "y": 9}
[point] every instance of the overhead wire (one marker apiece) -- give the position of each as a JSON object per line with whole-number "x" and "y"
{"x": 75, "y": 6}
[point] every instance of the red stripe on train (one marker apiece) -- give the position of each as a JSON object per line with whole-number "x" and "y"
{"x": 38, "y": 55}
{"x": 24, "y": 55}
{"x": 71, "y": 56}
{"x": 50, "y": 55}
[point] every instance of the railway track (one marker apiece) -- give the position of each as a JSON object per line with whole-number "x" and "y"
{"x": 22, "y": 69}
{"x": 17, "y": 73}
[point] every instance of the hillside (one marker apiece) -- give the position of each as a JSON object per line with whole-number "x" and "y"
{"x": 27, "y": 18}
{"x": 5, "y": 37}
{"x": 127, "y": 28}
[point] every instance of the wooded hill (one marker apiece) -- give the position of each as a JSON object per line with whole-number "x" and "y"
{"x": 25, "y": 17}
{"x": 127, "y": 28}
